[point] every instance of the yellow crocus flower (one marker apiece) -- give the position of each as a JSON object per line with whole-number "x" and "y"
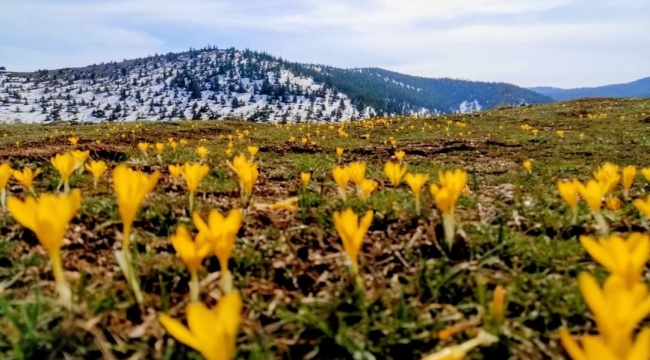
{"x": 193, "y": 173}
{"x": 560, "y": 133}
{"x": 48, "y": 217}
{"x": 160, "y": 147}
{"x": 192, "y": 253}
{"x": 608, "y": 176}
{"x": 144, "y": 147}
{"x": 643, "y": 206}
{"x": 97, "y": 169}
{"x": 613, "y": 203}
{"x": 339, "y": 154}
{"x": 446, "y": 195}
{"x": 305, "y": 178}
{"x": 395, "y": 172}
{"x": 593, "y": 347}
{"x": 80, "y": 158}
{"x": 213, "y": 333}
{"x": 64, "y": 164}
{"x": 221, "y": 233}
{"x": 73, "y": 140}
{"x": 646, "y": 173}
{"x": 175, "y": 171}
{"x": 528, "y": 165}
{"x": 173, "y": 145}
{"x": 416, "y": 183}
{"x": 182, "y": 142}
{"x": 615, "y": 327}
{"x": 253, "y": 150}
{"x": 131, "y": 187}
{"x": 629, "y": 173}
{"x": 593, "y": 193}
{"x": 247, "y": 174}
{"x": 357, "y": 172}
{"x": 621, "y": 257}
{"x": 341, "y": 177}
{"x": 352, "y": 231}
{"x": 26, "y": 178}
{"x": 202, "y": 152}
{"x": 399, "y": 155}
{"x": 367, "y": 187}
{"x": 569, "y": 192}
{"x": 5, "y": 174}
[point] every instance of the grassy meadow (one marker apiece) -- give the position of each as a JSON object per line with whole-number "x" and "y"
{"x": 413, "y": 295}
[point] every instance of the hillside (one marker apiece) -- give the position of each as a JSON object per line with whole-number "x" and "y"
{"x": 216, "y": 83}
{"x": 635, "y": 89}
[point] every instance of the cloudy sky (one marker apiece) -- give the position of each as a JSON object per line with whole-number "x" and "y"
{"x": 565, "y": 43}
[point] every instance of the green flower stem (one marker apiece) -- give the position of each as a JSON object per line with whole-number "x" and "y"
{"x": 448, "y": 225}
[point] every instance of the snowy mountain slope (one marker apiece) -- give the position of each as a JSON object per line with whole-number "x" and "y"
{"x": 222, "y": 83}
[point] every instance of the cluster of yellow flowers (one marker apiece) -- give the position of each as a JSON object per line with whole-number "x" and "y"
{"x": 623, "y": 301}
{"x": 601, "y": 188}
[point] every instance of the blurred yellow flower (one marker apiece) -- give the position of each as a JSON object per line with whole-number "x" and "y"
{"x": 643, "y": 206}
{"x": 446, "y": 195}
{"x": 130, "y": 188}
{"x": 48, "y": 217}
{"x": 560, "y": 133}
{"x": 352, "y": 231}
{"x": 629, "y": 173}
{"x": 144, "y": 147}
{"x": 528, "y": 165}
{"x": 5, "y": 174}
{"x": 613, "y": 203}
{"x": 64, "y": 164}
{"x": 625, "y": 258}
{"x": 97, "y": 169}
{"x": 213, "y": 333}
{"x": 202, "y": 152}
{"x": 341, "y": 177}
{"x": 221, "y": 233}
{"x": 247, "y": 174}
{"x": 593, "y": 193}
{"x": 80, "y": 158}
{"x": 26, "y": 178}
{"x": 569, "y": 192}
{"x": 305, "y": 178}
{"x": 367, "y": 187}
{"x": 175, "y": 171}
{"x": 646, "y": 173}
{"x": 73, "y": 140}
{"x": 253, "y": 150}
{"x": 339, "y": 154}
{"x": 395, "y": 172}
{"x": 192, "y": 253}
{"x": 608, "y": 176}
{"x": 357, "y": 172}
{"x": 416, "y": 182}
{"x": 615, "y": 327}
{"x": 399, "y": 155}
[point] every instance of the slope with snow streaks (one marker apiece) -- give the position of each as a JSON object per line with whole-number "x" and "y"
{"x": 202, "y": 85}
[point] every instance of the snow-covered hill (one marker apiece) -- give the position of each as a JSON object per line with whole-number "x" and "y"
{"x": 214, "y": 84}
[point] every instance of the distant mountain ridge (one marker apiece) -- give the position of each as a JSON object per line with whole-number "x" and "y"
{"x": 639, "y": 89}
{"x": 214, "y": 83}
